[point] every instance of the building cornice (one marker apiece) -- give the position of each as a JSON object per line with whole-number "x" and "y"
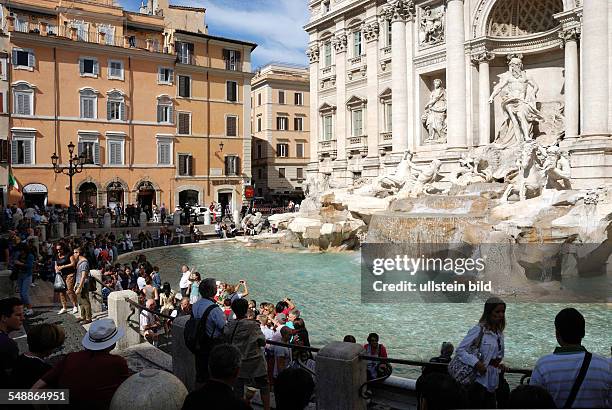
{"x": 220, "y": 71}
{"x": 312, "y": 26}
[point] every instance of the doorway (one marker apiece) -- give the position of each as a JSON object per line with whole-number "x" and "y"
{"x": 225, "y": 199}
{"x": 189, "y": 196}
{"x": 88, "y": 195}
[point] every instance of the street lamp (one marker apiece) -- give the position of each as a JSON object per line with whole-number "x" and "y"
{"x": 221, "y": 146}
{"x": 75, "y": 166}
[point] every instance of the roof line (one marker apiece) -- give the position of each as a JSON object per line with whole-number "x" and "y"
{"x": 208, "y": 36}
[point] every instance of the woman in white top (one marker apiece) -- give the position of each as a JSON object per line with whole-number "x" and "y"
{"x": 488, "y": 359}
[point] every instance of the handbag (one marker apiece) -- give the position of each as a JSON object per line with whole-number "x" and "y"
{"x": 59, "y": 285}
{"x": 463, "y": 373}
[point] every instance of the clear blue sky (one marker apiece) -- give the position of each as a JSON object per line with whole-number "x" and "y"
{"x": 275, "y": 25}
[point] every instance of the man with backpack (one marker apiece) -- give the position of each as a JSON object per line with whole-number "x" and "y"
{"x": 204, "y": 329}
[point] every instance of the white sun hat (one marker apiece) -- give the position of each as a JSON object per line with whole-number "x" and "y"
{"x": 102, "y": 334}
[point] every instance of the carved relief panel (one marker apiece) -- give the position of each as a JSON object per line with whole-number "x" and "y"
{"x": 431, "y": 19}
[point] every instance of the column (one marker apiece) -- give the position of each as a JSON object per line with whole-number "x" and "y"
{"x": 595, "y": 87}
{"x": 340, "y": 42}
{"x": 371, "y": 34}
{"x": 313, "y": 58}
{"x": 572, "y": 90}
{"x": 399, "y": 81}
{"x": 455, "y": 74}
{"x": 410, "y": 97}
{"x": 484, "y": 91}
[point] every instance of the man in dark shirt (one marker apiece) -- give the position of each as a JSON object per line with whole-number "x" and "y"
{"x": 11, "y": 319}
{"x": 217, "y": 393}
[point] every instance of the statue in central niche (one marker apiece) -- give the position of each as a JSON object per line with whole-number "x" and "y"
{"x": 518, "y": 93}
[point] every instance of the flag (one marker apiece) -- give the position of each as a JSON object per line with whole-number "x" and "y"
{"x": 12, "y": 182}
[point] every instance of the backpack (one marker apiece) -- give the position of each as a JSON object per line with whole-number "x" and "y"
{"x": 196, "y": 338}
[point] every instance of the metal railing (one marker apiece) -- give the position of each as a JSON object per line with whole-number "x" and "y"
{"x": 135, "y": 325}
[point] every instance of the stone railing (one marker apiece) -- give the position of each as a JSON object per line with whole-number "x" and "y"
{"x": 357, "y": 145}
{"x": 328, "y": 71}
{"x": 385, "y": 142}
{"x": 328, "y": 148}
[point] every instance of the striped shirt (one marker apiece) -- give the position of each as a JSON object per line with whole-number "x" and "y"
{"x": 557, "y": 372}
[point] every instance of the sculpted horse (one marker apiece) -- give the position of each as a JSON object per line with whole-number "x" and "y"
{"x": 531, "y": 177}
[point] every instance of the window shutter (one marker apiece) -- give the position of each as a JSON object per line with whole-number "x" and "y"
{"x": 159, "y": 113}
{"x": 226, "y": 54}
{"x": 181, "y": 85}
{"x": 96, "y": 153}
{"x": 171, "y": 114}
{"x": 171, "y": 76}
{"x": 95, "y": 67}
{"x": 237, "y": 56}
{"x": 26, "y": 103}
{"x": 109, "y": 108}
{"x": 160, "y": 74}
{"x": 31, "y": 59}
{"x": 190, "y": 165}
{"x": 182, "y": 164}
{"x": 27, "y": 152}
{"x": 14, "y": 152}
{"x": 227, "y": 165}
{"x": 80, "y": 148}
{"x": 160, "y": 159}
{"x": 122, "y": 109}
{"x": 237, "y": 165}
{"x": 14, "y": 56}
{"x": 81, "y": 65}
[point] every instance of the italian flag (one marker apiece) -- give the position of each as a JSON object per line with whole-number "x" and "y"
{"x": 12, "y": 182}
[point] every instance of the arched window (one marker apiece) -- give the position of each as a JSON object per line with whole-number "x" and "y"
{"x": 165, "y": 110}
{"x": 88, "y": 102}
{"x": 115, "y": 106}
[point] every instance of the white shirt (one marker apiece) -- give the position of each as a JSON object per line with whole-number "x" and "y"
{"x": 491, "y": 347}
{"x": 141, "y": 283}
{"x": 184, "y": 283}
{"x": 146, "y": 319}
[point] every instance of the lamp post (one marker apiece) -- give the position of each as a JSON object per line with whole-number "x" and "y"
{"x": 75, "y": 166}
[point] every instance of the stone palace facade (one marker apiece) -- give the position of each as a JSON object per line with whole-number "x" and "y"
{"x": 440, "y": 78}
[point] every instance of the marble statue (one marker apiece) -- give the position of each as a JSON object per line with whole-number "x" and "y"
{"x": 423, "y": 180}
{"x": 531, "y": 177}
{"x": 434, "y": 118}
{"x": 557, "y": 167}
{"x": 391, "y": 182}
{"x": 518, "y": 92}
{"x": 470, "y": 171}
{"x": 432, "y": 26}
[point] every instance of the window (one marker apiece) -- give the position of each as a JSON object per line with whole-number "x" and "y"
{"x": 259, "y": 151}
{"x": 23, "y": 99}
{"x": 82, "y": 30}
{"x": 184, "y": 52}
{"x": 115, "y": 152}
{"x": 281, "y": 97}
{"x": 184, "y": 123}
{"x": 327, "y": 52}
{"x": 298, "y": 124}
{"x": 326, "y": 7}
{"x": 115, "y": 70}
{"x": 259, "y": 99}
{"x": 389, "y": 32}
{"x": 232, "y": 59}
{"x": 22, "y": 150}
{"x": 357, "y": 116}
{"x": 282, "y": 150}
{"x": 259, "y": 173}
{"x": 184, "y": 86}
{"x": 109, "y": 33}
{"x": 258, "y": 124}
{"x": 90, "y": 149}
{"x": 164, "y": 151}
{"x": 89, "y": 103}
{"x": 185, "y": 165}
{"x": 232, "y": 165}
{"x": 115, "y": 106}
{"x": 357, "y": 43}
{"x": 88, "y": 67}
{"x": 231, "y": 90}
{"x": 300, "y": 173}
{"x": 23, "y": 58}
{"x": 231, "y": 126}
{"x": 165, "y": 75}
{"x": 298, "y": 99}
{"x": 388, "y": 117}
{"x": 281, "y": 172}
{"x": 282, "y": 123}
{"x": 165, "y": 110}
{"x": 2, "y": 103}
{"x": 299, "y": 150}
{"x": 327, "y": 128}
{"x": 4, "y": 151}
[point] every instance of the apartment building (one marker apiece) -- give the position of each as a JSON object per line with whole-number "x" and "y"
{"x": 4, "y": 118}
{"x": 280, "y": 123}
{"x": 159, "y": 108}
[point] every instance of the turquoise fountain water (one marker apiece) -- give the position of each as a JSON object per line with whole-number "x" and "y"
{"x": 326, "y": 288}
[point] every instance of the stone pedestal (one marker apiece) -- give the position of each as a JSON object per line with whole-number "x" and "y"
{"x": 96, "y": 297}
{"x": 183, "y": 361}
{"x": 107, "y": 221}
{"x": 340, "y": 373}
{"x": 143, "y": 219}
{"x": 207, "y": 217}
{"x": 150, "y": 389}
{"x": 176, "y": 221}
{"x": 73, "y": 229}
{"x": 119, "y": 310}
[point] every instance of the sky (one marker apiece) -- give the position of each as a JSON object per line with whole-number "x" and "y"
{"x": 274, "y": 25}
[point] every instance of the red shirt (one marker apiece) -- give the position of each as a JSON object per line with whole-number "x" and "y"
{"x": 92, "y": 377}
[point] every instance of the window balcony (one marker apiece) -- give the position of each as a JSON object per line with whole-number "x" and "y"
{"x": 328, "y": 149}
{"x": 357, "y": 145}
{"x": 385, "y": 142}
{"x": 328, "y": 71}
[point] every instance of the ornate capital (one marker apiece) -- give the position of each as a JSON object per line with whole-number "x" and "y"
{"x": 313, "y": 54}
{"x": 482, "y": 57}
{"x": 569, "y": 34}
{"x": 339, "y": 41}
{"x": 399, "y": 10}
{"x": 371, "y": 31}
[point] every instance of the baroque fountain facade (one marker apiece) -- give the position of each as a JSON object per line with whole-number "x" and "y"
{"x": 499, "y": 133}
